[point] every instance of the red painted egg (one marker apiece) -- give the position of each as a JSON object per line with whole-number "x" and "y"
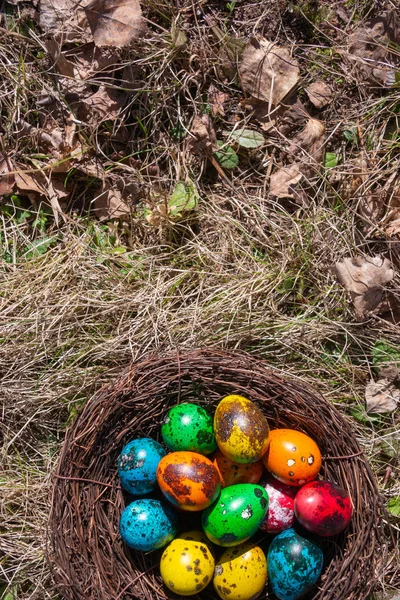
{"x": 280, "y": 514}
{"x": 323, "y": 508}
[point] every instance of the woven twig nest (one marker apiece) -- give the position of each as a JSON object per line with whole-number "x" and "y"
{"x": 87, "y": 556}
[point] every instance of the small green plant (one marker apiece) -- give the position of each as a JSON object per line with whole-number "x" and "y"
{"x": 226, "y": 156}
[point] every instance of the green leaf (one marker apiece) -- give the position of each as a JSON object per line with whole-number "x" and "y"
{"x": 247, "y": 138}
{"x": 394, "y": 506}
{"x": 227, "y": 157}
{"x": 384, "y": 353}
{"x": 330, "y": 160}
{"x": 39, "y": 247}
{"x": 184, "y": 198}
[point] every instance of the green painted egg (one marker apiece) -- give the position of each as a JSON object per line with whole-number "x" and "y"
{"x": 236, "y": 515}
{"x": 188, "y": 427}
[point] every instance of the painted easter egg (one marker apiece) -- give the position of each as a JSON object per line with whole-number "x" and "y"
{"x": 236, "y": 515}
{"x": 280, "y": 513}
{"x": 323, "y": 508}
{"x": 231, "y": 473}
{"x": 189, "y": 480}
{"x": 294, "y": 565}
{"x": 241, "y": 573}
{"x": 137, "y": 465}
{"x": 187, "y": 564}
{"x": 241, "y": 429}
{"x": 292, "y": 457}
{"x": 148, "y": 524}
{"x": 188, "y": 427}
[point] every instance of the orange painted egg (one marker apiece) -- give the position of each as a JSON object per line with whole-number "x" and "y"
{"x": 292, "y": 457}
{"x": 188, "y": 480}
{"x": 241, "y": 430}
{"x": 231, "y": 472}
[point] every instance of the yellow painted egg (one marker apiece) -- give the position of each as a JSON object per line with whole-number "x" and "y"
{"x": 241, "y": 430}
{"x": 187, "y": 564}
{"x": 241, "y": 573}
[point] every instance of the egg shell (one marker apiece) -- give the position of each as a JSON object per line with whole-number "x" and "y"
{"x": 241, "y": 430}
{"x": 188, "y": 427}
{"x": 236, "y": 515}
{"x": 280, "y": 513}
{"x": 232, "y": 473}
{"x": 189, "y": 480}
{"x": 294, "y": 565}
{"x": 323, "y": 508}
{"x": 241, "y": 573}
{"x": 187, "y": 564}
{"x": 292, "y": 457}
{"x": 147, "y": 524}
{"x": 137, "y": 465}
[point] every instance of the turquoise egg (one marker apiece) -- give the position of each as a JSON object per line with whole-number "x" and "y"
{"x": 236, "y": 515}
{"x": 294, "y": 565}
{"x": 188, "y": 427}
{"x": 148, "y": 525}
{"x": 137, "y": 465}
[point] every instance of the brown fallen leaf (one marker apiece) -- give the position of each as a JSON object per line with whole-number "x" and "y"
{"x": 115, "y": 23}
{"x": 216, "y": 100}
{"x": 7, "y": 181}
{"x": 109, "y": 204}
{"x": 369, "y": 55}
{"x": 365, "y": 278}
{"x": 319, "y": 93}
{"x": 381, "y": 396}
{"x": 283, "y": 182}
{"x": 105, "y": 103}
{"x": 64, "y": 17}
{"x": 309, "y": 142}
{"x": 203, "y": 138}
{"x": 268, "y": 72}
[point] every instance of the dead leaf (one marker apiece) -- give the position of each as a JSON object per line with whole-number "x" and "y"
{"x": 7, "y": 181}
{"x": 203, "y": 138}
{"x": 309, "y": 142}
{"x": 115, "y": 23}
{"x": 34, "y": 182}
{"x": 283, "y": 182}
{"x": 66, "y": 17}
{"x": 319, "y": 93}
{"x": 216, "y": 100}
{"x": 365, "y": 278}
{"x": 268, "y": 72}
{"x": 109, "y": 204}
{"x": 106, "y": 103}
{"x": 369, "y": 55}
{"x": 381, "y": 396}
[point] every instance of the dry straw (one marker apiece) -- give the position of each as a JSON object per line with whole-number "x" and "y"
{"x": 85, "y": 551}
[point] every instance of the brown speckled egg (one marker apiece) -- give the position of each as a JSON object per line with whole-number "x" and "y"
{"x": 189, "y": 480}
{"x": 232, "y": 473}
{"x": 241, "y": 430}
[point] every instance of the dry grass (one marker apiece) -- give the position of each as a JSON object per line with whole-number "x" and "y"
{"x": 246, "y": 272}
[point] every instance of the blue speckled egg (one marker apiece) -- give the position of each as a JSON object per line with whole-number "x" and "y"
{"x": 148, "y": 524}
{"x": 294, "y": 565}
{"x": 137, "y": 465}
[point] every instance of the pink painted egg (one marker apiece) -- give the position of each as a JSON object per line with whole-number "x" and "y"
{"x": 280, "y": 514}
{"x": 323, "y": 508}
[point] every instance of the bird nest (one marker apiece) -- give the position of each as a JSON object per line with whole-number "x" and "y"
{"x": 87, "y": 556}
